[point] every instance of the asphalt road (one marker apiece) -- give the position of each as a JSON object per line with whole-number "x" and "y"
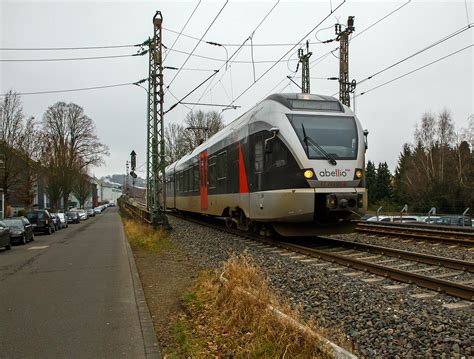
{"x": 73, "y": 294}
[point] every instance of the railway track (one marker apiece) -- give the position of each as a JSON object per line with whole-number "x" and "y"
{"x": 432, "y": 272}
{"x": 465, "y": 238}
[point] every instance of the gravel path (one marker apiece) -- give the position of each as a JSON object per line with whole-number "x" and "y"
{"x": 380, "y": 322}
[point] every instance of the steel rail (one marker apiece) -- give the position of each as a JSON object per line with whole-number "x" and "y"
{"x": 418, "y": 233}
{"x": 436, "y": 284}
{"x": 401, "y": 254}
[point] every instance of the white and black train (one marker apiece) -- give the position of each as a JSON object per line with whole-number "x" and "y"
{"x": 294, "y": 163}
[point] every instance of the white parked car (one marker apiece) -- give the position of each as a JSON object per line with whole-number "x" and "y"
{"x": 63, "y": 219}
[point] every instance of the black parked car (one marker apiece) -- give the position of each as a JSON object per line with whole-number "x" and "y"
{"x": 72, "y": 217}
{"x": 4, "y": 236}
{"x": 21, "y": 230}
{"x": 41, "y": 221}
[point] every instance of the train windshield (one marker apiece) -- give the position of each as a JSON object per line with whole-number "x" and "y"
{"x": 335, "y": 136}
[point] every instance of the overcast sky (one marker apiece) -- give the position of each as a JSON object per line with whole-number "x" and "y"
{"x": 389, "y": 112}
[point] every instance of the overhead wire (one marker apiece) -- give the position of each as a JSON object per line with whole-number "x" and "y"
{"x": 287, "y": 52}
{"x": 71, "y": 58}
{"x": 66, "y": 48}
{"x": 76, "y": 89}
{"x": 239, "y": 49}
{"x": 440, "y": 41}
{"x": 238, "y": 45}
{"x": 195, "y": 47}
{"x": 321, "y": 58}
{"x": 182, "y": 29}
{"x": 415, "y": 70}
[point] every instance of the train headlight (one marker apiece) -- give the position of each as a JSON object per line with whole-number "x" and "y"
{"x": 358, "y": 173}
{"x": 308, "y": 174}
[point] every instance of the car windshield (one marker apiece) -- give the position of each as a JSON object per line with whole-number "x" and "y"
{"x": 335, "y": 135}
{"x": 13, "y": 222}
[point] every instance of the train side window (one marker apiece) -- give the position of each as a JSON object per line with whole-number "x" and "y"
{"x": 222, "y": 165}
{"x": 212, "y": 172}
{"x": 278, "y": 157}
{"x": 196, "y": 177}
{"x": 259, "y": 155}
{"x": 181, "y": 181}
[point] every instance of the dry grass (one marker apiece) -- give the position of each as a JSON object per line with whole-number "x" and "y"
{"x": 144, "y": 236}
{"x": 222, "y": 320}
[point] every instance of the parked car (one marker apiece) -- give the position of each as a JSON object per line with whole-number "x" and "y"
{"x": 4, "y": 236}
{"x": 56, "y": 221}
{"x": 397, "y": 219}
{"x": 82, "y": 214}
{"x": 454, "y": 221}
{"x": 63, "y": 219}
{"x": 21, "y": 230}
{"x": 97, "y": 210}
{"x": 41, "y": 220}
{"x": 73, "y": 217}
{"x": 90, "y": 212}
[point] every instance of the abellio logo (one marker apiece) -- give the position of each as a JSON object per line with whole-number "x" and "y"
{"x": 334, "y": 173}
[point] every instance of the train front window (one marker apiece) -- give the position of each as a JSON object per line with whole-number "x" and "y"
{"x": 335, "y": 135}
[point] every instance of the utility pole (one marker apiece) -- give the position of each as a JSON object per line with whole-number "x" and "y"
{"x": 304, "y": 59}
{"x": 158, "y": 211}
{"x": 345, "y": 87}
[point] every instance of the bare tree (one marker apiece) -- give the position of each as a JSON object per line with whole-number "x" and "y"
{"x": 198, "y": 127}
{"x": 73, "y": 143}
{"x": 19, "y": 147}
{"x": 175, "y": 143}
{"x": 82, "y": 188}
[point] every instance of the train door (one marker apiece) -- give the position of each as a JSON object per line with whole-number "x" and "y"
{"x": 203, "y": 173}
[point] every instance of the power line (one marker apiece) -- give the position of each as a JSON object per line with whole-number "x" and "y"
{"x": 286, "y": 53}
{"x": 66, "y": 48}
{"x": 415, "y": 70}
{"x": 457, "y": 32}
{"x": 238, "y": 45}
{"x": 239, "y": 49}
{"x": 223, "y": 60}
{"x": 195, "y": 47}
{"x": 319, "y": 59}
{"x": 182, "y": 29}
{"x": 71, "y": 58}
{"x": 76, "y": 89}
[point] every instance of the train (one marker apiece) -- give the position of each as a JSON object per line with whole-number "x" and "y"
{"x": 293, "y": 164}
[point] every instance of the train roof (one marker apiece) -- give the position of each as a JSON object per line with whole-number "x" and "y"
{"x": 293, "y": 101}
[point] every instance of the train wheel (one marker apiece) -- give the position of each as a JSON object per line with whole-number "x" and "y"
{"x": 229, "y": 223}
{"x": 243, "y": 223}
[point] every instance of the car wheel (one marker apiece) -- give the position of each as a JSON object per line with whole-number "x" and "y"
{"x": 23, "y": 239}
{"x": 8, "y": 247}
{"x": 49, "y": 230}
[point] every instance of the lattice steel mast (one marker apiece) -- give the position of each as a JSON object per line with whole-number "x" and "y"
{"x": 304, "y": 59}
{"x": 345, "y": 87}
{"x": 158, "y": 209}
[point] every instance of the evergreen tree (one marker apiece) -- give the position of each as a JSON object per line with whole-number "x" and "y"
{"x": 383, "y": 186}
{"x": 371, "y": 181}
{"x": 400, "y": 183}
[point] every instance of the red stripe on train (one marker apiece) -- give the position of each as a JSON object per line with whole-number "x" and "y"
{"x": 243, "y": 185}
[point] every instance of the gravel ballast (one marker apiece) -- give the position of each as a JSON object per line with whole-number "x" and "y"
{"x": 378, "y": 321}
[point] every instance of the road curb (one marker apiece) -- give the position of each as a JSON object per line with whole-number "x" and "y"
{"x": 152, "y": 347}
